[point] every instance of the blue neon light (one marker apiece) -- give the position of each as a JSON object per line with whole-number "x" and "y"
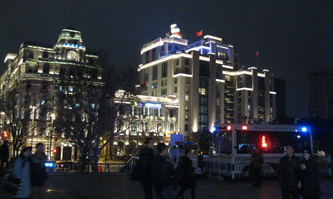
{"x": 214, "y": 129}
{"x": 50, "y": 164}
{"x": 304, "y": 129}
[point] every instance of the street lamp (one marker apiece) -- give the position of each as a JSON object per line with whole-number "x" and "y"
{"x": 52, "y": 118}
{"x": 33, "y": 122}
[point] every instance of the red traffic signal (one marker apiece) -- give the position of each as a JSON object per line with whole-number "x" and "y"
{"x": 55, "y": 138}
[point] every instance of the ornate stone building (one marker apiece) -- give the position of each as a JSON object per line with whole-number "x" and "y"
{"x": 29, "y": 82}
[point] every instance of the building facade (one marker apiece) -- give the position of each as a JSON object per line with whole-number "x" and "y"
{"x": 206, "y": 78}
{"x": 32, "y": 75}
{"x": 321, "y": 94}
{"x": 149, "y": 117}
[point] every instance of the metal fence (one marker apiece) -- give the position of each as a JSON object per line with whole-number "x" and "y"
{"x": 238, "y": 167}
{"x": 73, "y": 167}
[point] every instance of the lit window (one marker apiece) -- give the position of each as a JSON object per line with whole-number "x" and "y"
{"x": 202, "y": 91}
{"x": 71, "y": 55}
{"x": 187, "y": 89}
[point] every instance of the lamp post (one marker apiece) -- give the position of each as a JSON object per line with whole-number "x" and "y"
{"x": 52, "y": 119}
{"x": 33, "y": 122}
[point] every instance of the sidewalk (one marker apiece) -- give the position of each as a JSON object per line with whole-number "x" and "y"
{"x": 119, "y": 186}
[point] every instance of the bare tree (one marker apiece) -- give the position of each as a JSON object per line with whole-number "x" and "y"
{"x": 86, "y": 111}
{"x": 18, "y": 116}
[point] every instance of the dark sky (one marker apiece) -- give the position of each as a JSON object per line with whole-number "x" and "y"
{"x": 294, "y": 37}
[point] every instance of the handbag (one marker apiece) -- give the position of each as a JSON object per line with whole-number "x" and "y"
{"x": 11, "y": 184}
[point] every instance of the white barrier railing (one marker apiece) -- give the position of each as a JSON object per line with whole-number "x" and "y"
{"x": 238, "y": 167}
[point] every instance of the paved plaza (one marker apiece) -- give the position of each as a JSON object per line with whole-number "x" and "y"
{"x": 119, "y": 186}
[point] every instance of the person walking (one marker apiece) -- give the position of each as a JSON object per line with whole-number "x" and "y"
{"x": 4, "y": 156}
{"x": 257, "y": 161}
{"x": 185, "y": 173}
{"x": 310, "y": 188}
{"x": 21, "y": 170}
{"x": 38, "y": 172}
{"x": 162, "y": 173}
{"x": 288, "y": 172}
{"x": 146, "y": 158}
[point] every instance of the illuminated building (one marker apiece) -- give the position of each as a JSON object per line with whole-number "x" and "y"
{"x": 150, "y": 116}
{"x": 321, "y": 94}
{"x": 32, "y": 72}
{"x": 206, "y": 78}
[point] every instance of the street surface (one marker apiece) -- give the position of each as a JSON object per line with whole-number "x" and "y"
{"x": 119, "y": 186}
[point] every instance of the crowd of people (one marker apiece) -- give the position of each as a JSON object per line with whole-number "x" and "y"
{"x": 297, "y": 177}
{"x": 160, "y": 180}
{"x": 160, "y": 177}
{"x": 29, "y": 169}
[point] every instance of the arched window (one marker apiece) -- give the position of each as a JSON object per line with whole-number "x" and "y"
{"x": 71, "y": 55}
{"x": 120, "y": 149}
{"x": 133, "y": 148}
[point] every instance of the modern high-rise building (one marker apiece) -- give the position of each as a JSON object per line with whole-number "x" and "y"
{"x": 321, "y": 94}
{"x": 29, "y": 82}
{"x": 207, "y": 80}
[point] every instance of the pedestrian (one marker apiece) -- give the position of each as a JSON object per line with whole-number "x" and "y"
{"x": 146, "y": 158}
{"x": 310, "y": 188}
{"x": 257, "y": 161}
{"x": 185, "y": 175}
{"x": 289, "y": 174}
{"x": 38, "y": 172}
{"x": 163, "y": 173}
{"x": 4, "y": 154}
{"x": 21, "y": 170}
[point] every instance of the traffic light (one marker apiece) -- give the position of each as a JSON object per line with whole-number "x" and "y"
{"x": 55, "y": 138}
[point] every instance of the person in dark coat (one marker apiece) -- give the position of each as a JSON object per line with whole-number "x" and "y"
{"x": 310, "y": 188}
{"x": 162, "y": 173}
{"x": 38, "y": 172}
{"x": 257, "y": 160}
{"x": 21, "y": 170}
{"x": 289, "y": 174}
{"x": 146, "y": 158}
{"x": 185, "y": 173}
{"x": 4, "y": 154}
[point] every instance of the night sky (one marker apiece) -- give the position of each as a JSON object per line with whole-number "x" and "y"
{"x": 293, "y": 37}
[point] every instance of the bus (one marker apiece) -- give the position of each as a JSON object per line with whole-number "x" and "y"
{"x": 232, "y": 145}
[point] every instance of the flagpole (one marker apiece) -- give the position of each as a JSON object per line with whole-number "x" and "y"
{"x": 257, "y": 56}
{"x": 258, "y": 60}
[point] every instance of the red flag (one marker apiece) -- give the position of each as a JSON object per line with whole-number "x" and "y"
{"x": 142, "y": 86}
{"x": 257, "y": 53}
{"x": 199, "y": 33}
